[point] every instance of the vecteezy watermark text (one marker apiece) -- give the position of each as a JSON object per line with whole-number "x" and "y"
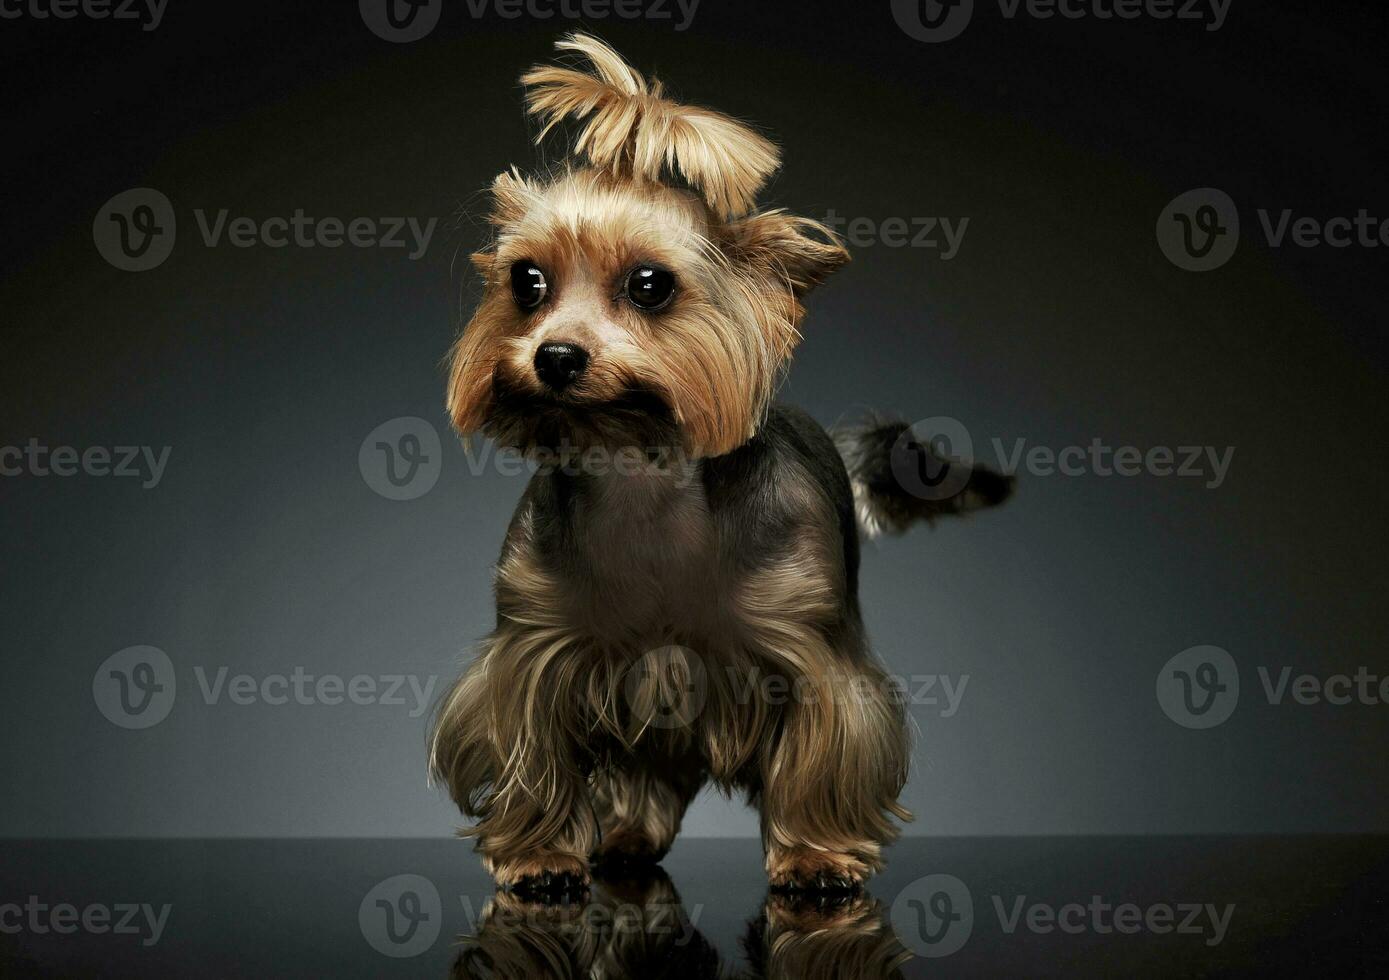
{"x": 39, "y": 918}
{"x": 1100, "y": 459}
{"x": 302, "y": 688}
{"x": 1105, "y": 917}
{"x": 404, "y": 21}
{"x": 936, "y": 21}
{"x": 144, "y": 463}
{"x": 942, "y": 691}
{"x": 135, "y": 688}
{"x": 136, "y": 230}
{"x": 150, "y": 12}
{"x": 941, "y": 235}
{"x": 935, "y": 916}
{"x": 932, "y": 459}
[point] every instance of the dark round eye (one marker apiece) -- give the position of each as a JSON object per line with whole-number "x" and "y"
{"x": 528, "y": 285}
{"x": 650, "y": 288}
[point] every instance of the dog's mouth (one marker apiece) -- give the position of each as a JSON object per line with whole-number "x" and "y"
{"x": 529, "y": 419}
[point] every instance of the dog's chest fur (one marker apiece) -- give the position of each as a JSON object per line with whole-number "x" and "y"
{"x": 644, "y": 561}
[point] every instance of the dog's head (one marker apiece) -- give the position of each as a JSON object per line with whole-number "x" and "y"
{"x": 636, "y": 298}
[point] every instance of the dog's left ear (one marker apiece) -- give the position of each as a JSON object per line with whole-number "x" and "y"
{"x": 786, "y": 249}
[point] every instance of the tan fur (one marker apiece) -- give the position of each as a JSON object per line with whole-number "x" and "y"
{"x": 716, "y": 356}
{"x": 633, "y": 131}
{"x": 831, "y": 781}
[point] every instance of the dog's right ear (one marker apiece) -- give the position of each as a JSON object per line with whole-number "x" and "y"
{"x": 512, "y": 196}
{"x": 787, "y": 250}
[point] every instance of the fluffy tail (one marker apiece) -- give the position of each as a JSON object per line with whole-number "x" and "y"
{"x": 898, "y": 480}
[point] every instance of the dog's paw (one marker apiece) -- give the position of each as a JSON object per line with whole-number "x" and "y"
{"x": 804, "y": 869}
{"x": 543, "y": 877}
{"x": 807, "y": 911}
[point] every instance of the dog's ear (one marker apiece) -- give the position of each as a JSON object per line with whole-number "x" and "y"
{"x": 512, "y": 196}
{"x": 786, "y": 249}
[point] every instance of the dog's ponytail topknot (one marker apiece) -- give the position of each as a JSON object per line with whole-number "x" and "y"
{"x": 631, "y": 130}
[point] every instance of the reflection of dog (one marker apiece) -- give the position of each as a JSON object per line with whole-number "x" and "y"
{"x": 631, "y": 928}
{"x": 636, "y": 928}
{"x": 800, "y": 940}
{"x": 636, "y": 316}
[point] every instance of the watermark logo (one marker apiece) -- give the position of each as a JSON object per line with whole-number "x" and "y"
{"x": 401, "y": 21}
{"x": 135, "y": 231}
{"x": 401, "y": 916}
{"x": 933, "y": 21}
{"x": 668, "y": 687}
{"x": 401, "y": 459}
{"x": 929, "y": 458}
{"x": 1199, "y": 687}
{"x": 934, "y": 915}
{"x": 135, "y": 687}
{"x": 1199, "y": 231}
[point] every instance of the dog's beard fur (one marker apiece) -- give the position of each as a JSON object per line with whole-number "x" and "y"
{"x": 635, "y": 417}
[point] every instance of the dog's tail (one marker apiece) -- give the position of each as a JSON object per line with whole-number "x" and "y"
{"x": 900, "y": 477}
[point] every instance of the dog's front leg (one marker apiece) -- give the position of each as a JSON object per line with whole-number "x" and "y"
{"x": 534, "y": 843}
{"x": 837, "y": 754}
{"x": 502, "y": 746}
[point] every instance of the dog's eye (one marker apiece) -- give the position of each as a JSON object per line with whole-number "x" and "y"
{"x": 650, "y": 288}
{"x": 528, "y": 285}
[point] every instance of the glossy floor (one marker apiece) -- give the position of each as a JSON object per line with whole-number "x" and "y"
{"x": 1154, "y": 906}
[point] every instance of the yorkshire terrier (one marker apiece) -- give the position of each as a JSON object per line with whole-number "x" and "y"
{"x": 689, "y": 543}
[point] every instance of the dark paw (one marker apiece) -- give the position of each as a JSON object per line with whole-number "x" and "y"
{"x": 550, "y": 888}
{"x": 825, "y": 889}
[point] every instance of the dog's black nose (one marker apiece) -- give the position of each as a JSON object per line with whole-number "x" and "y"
{"x": 558, "y": 365}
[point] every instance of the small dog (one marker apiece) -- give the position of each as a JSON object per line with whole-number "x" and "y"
{"x": 687, "y": 543}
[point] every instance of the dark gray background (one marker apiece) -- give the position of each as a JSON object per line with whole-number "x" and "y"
{"x": 1059, "y": 322}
